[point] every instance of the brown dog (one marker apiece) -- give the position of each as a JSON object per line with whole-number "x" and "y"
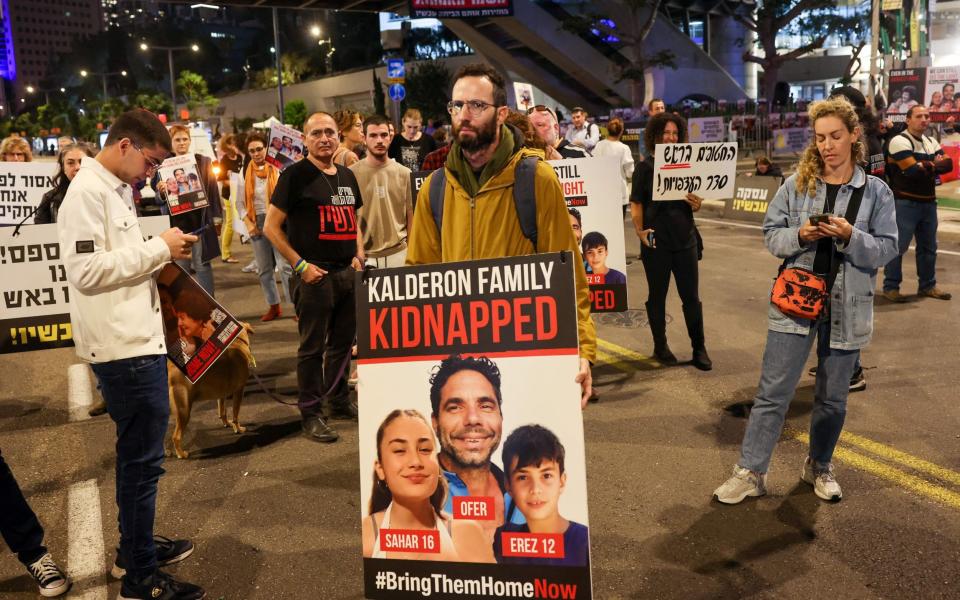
{"x": 225, "y": 379}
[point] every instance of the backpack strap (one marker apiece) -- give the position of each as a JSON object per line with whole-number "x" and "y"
{"x": 525, "y": 197}
{"x": 438, "y": 184}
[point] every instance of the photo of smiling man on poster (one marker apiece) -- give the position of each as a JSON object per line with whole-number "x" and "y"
{"x": 467, "y": 417}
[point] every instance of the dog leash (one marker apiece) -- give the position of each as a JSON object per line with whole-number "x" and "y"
{"x": 298, "y": 403}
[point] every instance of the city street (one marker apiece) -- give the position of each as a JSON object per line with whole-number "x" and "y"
{"x": 275, "y": 516}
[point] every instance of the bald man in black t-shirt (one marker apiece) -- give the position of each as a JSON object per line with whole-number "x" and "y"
{"x": 318, "y": 201}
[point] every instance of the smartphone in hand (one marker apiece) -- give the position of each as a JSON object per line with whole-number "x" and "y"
{"x": 822, "y": 218}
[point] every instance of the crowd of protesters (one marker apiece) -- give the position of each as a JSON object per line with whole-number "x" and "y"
{"x": 861, "y": 192}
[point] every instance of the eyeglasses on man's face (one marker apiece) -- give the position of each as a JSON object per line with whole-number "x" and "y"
{"x": 152, "y": 164}
{"x": 474, "y": 108}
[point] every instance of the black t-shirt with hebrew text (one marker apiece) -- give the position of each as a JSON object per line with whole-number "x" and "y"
{"x": 321, "y": 212}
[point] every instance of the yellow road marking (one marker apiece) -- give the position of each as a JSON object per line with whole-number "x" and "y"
{"x": 611, "y": 348}
{"x": 614, "y": 355}
{"x": 908, "y": 460}
{"x": 885, "y": 471}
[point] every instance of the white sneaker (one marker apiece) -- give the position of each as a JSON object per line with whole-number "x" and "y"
{"x": 51, "y": 580}
{"x": 250, "y": 268}
{"x": 824, "y": 483}
{"x": 743, "y": 483}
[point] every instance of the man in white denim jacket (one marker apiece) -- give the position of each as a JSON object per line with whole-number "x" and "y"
{"x": 117, "y": 326}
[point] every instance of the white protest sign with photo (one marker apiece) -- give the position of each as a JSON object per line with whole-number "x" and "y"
{"x": 524, "y": 95}
{"x": 285, "y": 146}
{"x": 707, "y": 170}
{"x": 36, "y": 311}
{"x": 706, "y": 129}
{"x": 180, "y": 184}
{"x": 497, "y": 338}
{"x": 22, "y": 186}
{"x": 591, "y": 189}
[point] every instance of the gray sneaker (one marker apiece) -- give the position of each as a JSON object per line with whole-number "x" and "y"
{"x": 741, "y": 484}
{"x": 250, "y": 268}
{"x": 824, "y": 483}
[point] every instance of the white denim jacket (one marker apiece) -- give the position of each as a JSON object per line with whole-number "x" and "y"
{"x": 872, "y": 245}
{"x": 114, "y": 304}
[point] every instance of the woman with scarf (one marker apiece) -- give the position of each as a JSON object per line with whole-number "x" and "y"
{"x": 256, "y": 187}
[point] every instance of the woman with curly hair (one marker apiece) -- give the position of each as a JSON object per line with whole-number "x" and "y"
{"x": 669, "y": 243}
{"x": 804, "y": 227}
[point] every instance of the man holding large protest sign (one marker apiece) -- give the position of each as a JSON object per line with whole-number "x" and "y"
{"x": 117, "y": 326}
{"x": 324, "y": 253}
{"x": 478, "y": 213}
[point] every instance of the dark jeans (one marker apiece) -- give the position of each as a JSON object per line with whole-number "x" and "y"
{"x": 328, "y": 324}
{"x": 19, "y": 525}
{"x": 658, "y": 264}
{"x": 920, "y": 219}
{"x": 135, "y": 390}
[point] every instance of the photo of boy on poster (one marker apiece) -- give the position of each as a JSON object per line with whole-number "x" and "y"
{"x": 595, "y": 258}
{"x": 418, "y": 486}
{"x": 197, "y": 329}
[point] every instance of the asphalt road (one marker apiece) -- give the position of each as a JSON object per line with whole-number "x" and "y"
{"x": 275, "y": 516}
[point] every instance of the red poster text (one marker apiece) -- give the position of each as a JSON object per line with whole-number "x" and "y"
{"x": 410, "y": 540}
{"x": 477, "y": 508}
{"x": 532, "y": 545}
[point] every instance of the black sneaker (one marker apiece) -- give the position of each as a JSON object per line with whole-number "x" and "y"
{"x": 168, "y": 552}
{"x": 316, "y": 429}
{"x": 160, "y": 586}
{"x": 51, "y": 580}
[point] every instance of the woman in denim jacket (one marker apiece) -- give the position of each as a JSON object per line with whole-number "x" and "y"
{"x": 826, "y": 177}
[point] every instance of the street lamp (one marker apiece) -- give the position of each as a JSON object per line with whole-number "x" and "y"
{"x": 31, "y": 89}
{"x": 84, "y": 73}
{"x": 170, "y": 50}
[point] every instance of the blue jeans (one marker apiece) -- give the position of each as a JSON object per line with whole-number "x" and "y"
{"x": 203, "y": 272}
{"x": 920, "y": 219}
{"x": 783, "y": 362}
{"x": 135, "y": 390}
{"x": 268, "y": 259}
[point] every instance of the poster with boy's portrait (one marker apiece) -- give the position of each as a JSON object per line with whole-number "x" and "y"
{"x": 285, "y": 146}
{"x": 196, "y": 327}
{"x": 595, "y": 192}
{"x": 180, "y": 184}
{"x": 472, "y": 461}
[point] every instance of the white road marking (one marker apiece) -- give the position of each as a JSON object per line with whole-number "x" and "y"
{"x": 749, "y": 226}
{"x": 79, "y": 391}
{"x": 85, "y": 555}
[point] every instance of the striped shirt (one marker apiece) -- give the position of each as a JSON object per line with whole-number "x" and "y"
{"x": 910, "y": 168}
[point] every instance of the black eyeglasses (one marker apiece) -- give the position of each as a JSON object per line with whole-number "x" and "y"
{"x": 260, "y": 149}
{"x": 474, "y": 107}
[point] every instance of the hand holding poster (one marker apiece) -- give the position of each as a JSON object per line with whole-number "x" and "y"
{"x": 36, "y": 309}
{"x": 591, "y": 188}
{"x": 707, "y": 170}
{"x": 285, "y": 147}
{"x": 180, "y": 184}
{"x": 198, "y": 329}
{"x": 22, "y": 186}
{"x": 493, "y": 338}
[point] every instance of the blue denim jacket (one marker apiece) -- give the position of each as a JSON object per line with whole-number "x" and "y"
{"x": 872, "y": 245}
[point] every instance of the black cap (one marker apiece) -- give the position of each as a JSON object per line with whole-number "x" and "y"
{"x": 578, "y": 109}
{"x": 852, "y": 94}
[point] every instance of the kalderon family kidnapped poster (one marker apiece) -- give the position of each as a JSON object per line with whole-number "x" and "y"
{"x": 472, "y": 462}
